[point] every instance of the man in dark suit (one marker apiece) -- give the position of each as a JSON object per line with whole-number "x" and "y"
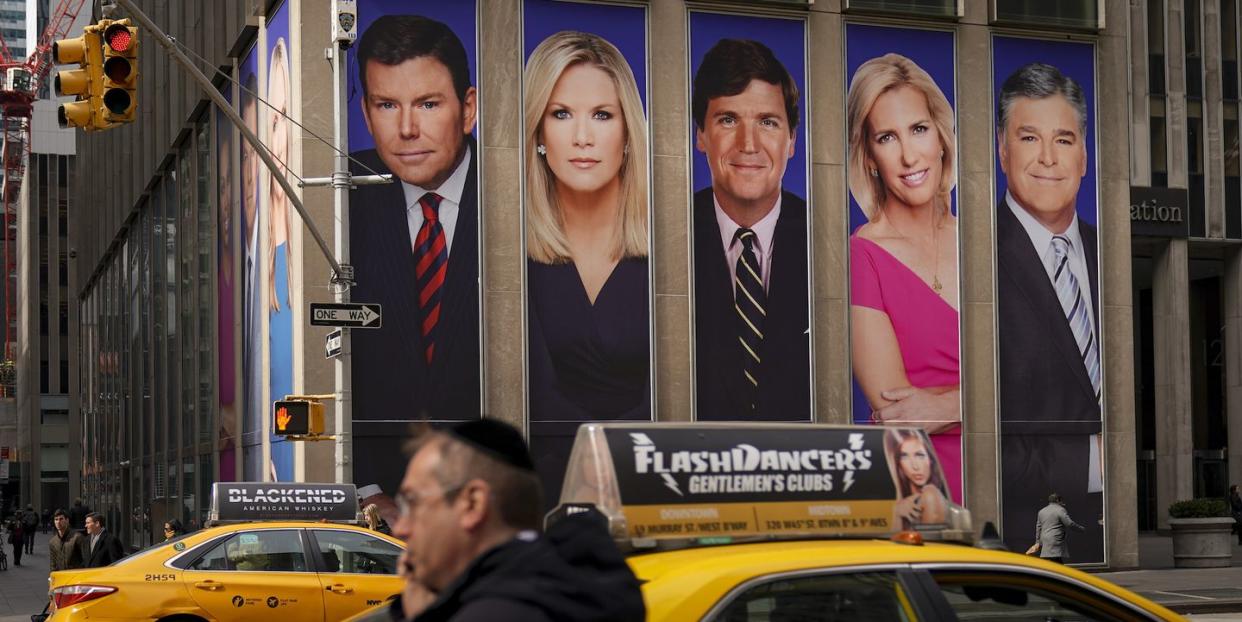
{"x": 102, "y": 548}
{"x": 752, "y": 340}
{"x": 414, "y": 242}
{"x": 1047, "y": 307}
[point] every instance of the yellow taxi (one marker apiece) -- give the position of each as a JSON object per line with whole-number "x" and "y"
{"x": 779, "y": 522}
{"x": 279, "y": 551}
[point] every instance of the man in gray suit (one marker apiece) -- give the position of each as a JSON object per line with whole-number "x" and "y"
{"x": 1050, "y": 528}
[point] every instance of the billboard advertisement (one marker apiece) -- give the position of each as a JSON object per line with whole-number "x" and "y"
{"x": 226, "y": 290}
{"x": 902, "y": 171}
{"x": 751, "y": 303}
{"x": 413, "y": 113}
{"x": 279, "y": 255}
{"x": 587, "y": 215}
{"x": 253, "y": 411}
{"x": 1047, "y": 292}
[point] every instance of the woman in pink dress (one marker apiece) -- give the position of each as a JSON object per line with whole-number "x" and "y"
{"x": 903, "y": 262}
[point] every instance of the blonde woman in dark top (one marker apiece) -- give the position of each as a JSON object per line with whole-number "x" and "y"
{"x": 586, "y": 232}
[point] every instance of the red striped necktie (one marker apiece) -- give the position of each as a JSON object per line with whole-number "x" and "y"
{"x": 431, "y": 264}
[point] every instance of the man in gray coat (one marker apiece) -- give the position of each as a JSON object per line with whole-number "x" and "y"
{"x": 1050, "y": 528}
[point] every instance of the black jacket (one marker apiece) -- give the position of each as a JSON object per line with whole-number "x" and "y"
{"x": 77, "y": 516}
{"x": 107, "y": 551}
{"x": 1048, "y": 409}
{"x": 785, "y": 374}
{"x": 574, "y": 572}
{"x": 393, "y": 384}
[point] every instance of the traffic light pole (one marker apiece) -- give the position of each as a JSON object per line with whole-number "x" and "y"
{"x": 343, "y": 406}
{"x": 259, "y": 148}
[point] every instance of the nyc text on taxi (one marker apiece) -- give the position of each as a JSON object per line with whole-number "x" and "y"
{"x": 269, "y": 557}
{"x": 764, "y": 523}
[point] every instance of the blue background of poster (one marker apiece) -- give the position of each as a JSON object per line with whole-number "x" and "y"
{"x": 458, "y": 15}
{"x": 625, "y": 27}
{"x": 786, "y": 38}
{"x": 280, "y": 323}
{"x": 1076, "y": 60}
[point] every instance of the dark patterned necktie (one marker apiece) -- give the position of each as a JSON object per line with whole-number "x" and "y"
{"x": 430, "y": 266}
{"x": 749, "y": 300}
{"x": 1072, "y": 303}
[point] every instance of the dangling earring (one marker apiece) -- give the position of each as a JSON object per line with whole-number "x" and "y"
{"x": 875, "y": 172}
{"x": 626, "y": 150}
{"x": 942, "y": 153}
{"x": 541, "y": 150}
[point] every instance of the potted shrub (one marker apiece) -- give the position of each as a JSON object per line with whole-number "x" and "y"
{"x": 1202, "y": 533}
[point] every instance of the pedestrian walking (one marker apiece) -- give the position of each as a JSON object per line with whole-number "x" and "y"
{"x": 30, "y": 526}
{"x": 66, "y": 550}
{"x": 173, "y": 530}
{"x": 103, "y": 548}
{"x": 1050, "y": 531}
{"x": 47, "y": 520}
{"x": 374, "y": 521}
{"x": 470, "y": 508}
{"x": 77, "y": 515}
{"x": 1235, "y": 508}
{"x": 17, "y": 538}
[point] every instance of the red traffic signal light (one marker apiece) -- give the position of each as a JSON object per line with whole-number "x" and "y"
{"x": 297, "y": 418}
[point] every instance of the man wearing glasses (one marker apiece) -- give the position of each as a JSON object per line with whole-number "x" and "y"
{"x": 470, "y": 508}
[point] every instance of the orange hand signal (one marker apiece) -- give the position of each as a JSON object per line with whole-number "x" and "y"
{"x": 282, "y": 418}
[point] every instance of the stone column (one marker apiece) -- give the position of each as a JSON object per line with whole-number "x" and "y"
{"x": 1231, "y": 307}
{"x": 1170, "y": 328}
{"x": 977, "y": 247}
{"x": 1213, "y": 125}
{"x": 829, "y": 217}
{"x": 500, "y": 202}
{"x": 670, "y": 164}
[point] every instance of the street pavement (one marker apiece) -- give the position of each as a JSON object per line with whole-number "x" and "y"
{"x": 23, "y": 590}
{"x": 1185, "y": 590}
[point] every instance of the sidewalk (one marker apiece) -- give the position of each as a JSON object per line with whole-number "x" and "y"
{"x": 1185, "y": 590}
{"x": 23, "y": 590}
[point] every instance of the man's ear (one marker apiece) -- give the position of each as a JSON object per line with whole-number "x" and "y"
{"x": 469, "y": 110}
{"x": 366, "y": 116}
{"x": 793, "y": 143}
{"x": 1001, "y": 154}
{"x": 1082, "y": 144}
{"x": 475, "y": 500}
{"x": 698, "y": 140}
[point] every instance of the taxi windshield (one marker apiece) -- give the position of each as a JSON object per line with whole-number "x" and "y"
{"x": 160, "y": 546}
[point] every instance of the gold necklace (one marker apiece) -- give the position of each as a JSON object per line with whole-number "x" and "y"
{"x": 936, "y": 284}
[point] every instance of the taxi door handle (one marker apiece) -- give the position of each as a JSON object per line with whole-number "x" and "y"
{"x": 210, "y": 586}
{"x": 337, "y": 588}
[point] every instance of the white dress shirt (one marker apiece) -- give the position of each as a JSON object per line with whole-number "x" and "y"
{"x": 765, "y": 230}
{"x": 450, "y": 192}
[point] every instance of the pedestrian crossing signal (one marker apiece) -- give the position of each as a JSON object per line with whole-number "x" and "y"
{"x": 297, "y": 418}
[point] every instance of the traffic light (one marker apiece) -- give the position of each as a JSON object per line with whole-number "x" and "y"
{"x": 120, "y": 71}
{"x": 86, "y": 83}
{"x": 297, "y": 418}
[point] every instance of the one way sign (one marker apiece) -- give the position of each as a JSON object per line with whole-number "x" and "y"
{"x": 349, "y": 315}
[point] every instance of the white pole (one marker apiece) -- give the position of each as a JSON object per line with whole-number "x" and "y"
{"x": 340, "y": 193}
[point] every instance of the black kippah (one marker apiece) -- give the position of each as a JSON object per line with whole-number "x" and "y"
{"x": 496, "y": 439}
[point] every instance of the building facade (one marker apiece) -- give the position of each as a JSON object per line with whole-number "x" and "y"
{"x": 177, "y": 370}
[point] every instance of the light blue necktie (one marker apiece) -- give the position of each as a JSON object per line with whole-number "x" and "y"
{"x": 1075, "y": 308}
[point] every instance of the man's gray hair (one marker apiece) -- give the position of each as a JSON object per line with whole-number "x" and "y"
{"x": 1038, "y": 81}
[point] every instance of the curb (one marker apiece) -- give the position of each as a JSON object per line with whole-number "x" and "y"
{"x": 1224, "y": 605}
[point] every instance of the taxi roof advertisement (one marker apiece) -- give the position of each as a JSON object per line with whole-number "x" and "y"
{"x": 250, "y": 501}
{"x": 686, "y": 482}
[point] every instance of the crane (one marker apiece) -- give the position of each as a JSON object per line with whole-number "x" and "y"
{"x": 20, "y": 81}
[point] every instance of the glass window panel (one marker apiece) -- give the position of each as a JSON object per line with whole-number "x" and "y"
{"x": 256, "y": 551}
{"x": 923, "y": 8}
{"x": 858, "y": 597}
{"x": 204, "y": 282}
{"x": 185, "y": 298}
{"x": 1229, "y": 49}
{"x": 351, "y": 552}
{"x": 1194, "y": 49}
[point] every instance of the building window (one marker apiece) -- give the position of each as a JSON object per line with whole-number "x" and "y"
{"x": 920, "y": 8}
{"x": 1155, "y": 47}
{"x": 1050, "y": 14}
{"x": 1194, "y": 49}
{"x": 1229, "y": 49}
